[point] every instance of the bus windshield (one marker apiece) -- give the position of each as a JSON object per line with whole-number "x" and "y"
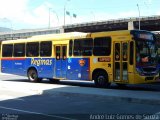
{"x": 146, "y": 52}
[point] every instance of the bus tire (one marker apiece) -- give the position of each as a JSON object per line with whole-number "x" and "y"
{"x": 33, "y": 76}
{"x": 101, "y": 79}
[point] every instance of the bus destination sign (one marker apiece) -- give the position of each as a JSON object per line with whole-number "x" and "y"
{"x": 145, "y": 36}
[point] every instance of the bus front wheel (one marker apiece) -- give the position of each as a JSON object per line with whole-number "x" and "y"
{"x": 101, "y": 79}
{"x": 33, "y": 76}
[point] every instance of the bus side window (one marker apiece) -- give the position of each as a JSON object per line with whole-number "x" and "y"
{"x": 125, "y": 51}
{"x": 131, "y": 52}
{"x": 45, "y": 49}
{"x": 117, "y": 51}
{"x": 77, "y": 47}
{"x": 32, "y": 49}
{"x": 102, "y": 46}
{"x": 70, "y": 47}
{"x": 7, "y": 50}
{"x": 83, "y": 47}
{"x": 87, "y": 47}
{"x": 64, "y": 52}
{"x": 19, "y": 50}
{"x": 58, "y": 54}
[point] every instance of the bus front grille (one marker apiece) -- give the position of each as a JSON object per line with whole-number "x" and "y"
{"x": 149, "y": 69}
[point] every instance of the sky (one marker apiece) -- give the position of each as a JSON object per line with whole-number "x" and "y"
{"x": 35, "y": 14}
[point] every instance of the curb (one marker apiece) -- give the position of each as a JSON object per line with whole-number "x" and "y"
{"x": 143, "y": 97}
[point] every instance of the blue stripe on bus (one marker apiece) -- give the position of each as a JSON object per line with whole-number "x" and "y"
{"x": 71, "y": 68}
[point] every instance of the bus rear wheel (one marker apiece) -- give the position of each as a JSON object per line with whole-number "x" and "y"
{"x": 101, "y": 79}
{"x": 33, "y": 76}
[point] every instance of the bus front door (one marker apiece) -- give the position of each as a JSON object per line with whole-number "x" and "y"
{"x": 120, "y": 62}
{"x": 60, "y": 62}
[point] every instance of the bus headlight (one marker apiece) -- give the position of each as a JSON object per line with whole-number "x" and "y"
{"x": 140, "y": 71}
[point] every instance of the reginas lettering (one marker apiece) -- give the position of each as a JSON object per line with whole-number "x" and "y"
{"x": 41, "y": 61}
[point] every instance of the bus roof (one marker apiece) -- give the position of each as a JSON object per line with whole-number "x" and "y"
{"x": 111, "y": 33}
{"x": 72, "y": 35}
{"x": 61, "y": 36}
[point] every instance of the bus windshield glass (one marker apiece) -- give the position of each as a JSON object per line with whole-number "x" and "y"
{"x": 146, "y": 52}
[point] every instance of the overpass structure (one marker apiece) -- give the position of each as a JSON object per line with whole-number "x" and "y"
{"x": 150, "y": 23}
{"x": 15, "y": 34}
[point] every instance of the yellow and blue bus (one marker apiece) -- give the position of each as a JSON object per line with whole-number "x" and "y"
{"x": 158, "y": 44}
{"x": 122, "y": 57}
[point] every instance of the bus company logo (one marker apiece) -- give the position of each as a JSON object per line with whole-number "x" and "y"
{"x": 82, "y": 62}
{"x": 41, "y": 61}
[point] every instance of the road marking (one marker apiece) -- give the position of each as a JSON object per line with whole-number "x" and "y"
{"x": 31, "y": 112}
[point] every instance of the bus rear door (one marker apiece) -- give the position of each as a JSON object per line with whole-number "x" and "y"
{"x": 60, "y": 62}
{"x": 120, "y": 62}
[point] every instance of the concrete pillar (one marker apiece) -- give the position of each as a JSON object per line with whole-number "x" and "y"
{"x": 61, "y": 30}
{"x": 130, "y": 25}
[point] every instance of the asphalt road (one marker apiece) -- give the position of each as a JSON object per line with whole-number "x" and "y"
{"x": 22, "y": 100}
{"x": 61, "y": 107}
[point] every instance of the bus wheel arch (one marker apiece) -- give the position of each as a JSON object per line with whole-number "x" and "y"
{"x": 33, "y": 75}
{"x": 100, "y": 77}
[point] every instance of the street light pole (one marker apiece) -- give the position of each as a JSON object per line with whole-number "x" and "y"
{"x": 49, "y": 21}
{"x": 139, "y": 17}
{"x": 49, "y": 17}
{"x": 56, "y": 16}
{"x": 65, "y": 12}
